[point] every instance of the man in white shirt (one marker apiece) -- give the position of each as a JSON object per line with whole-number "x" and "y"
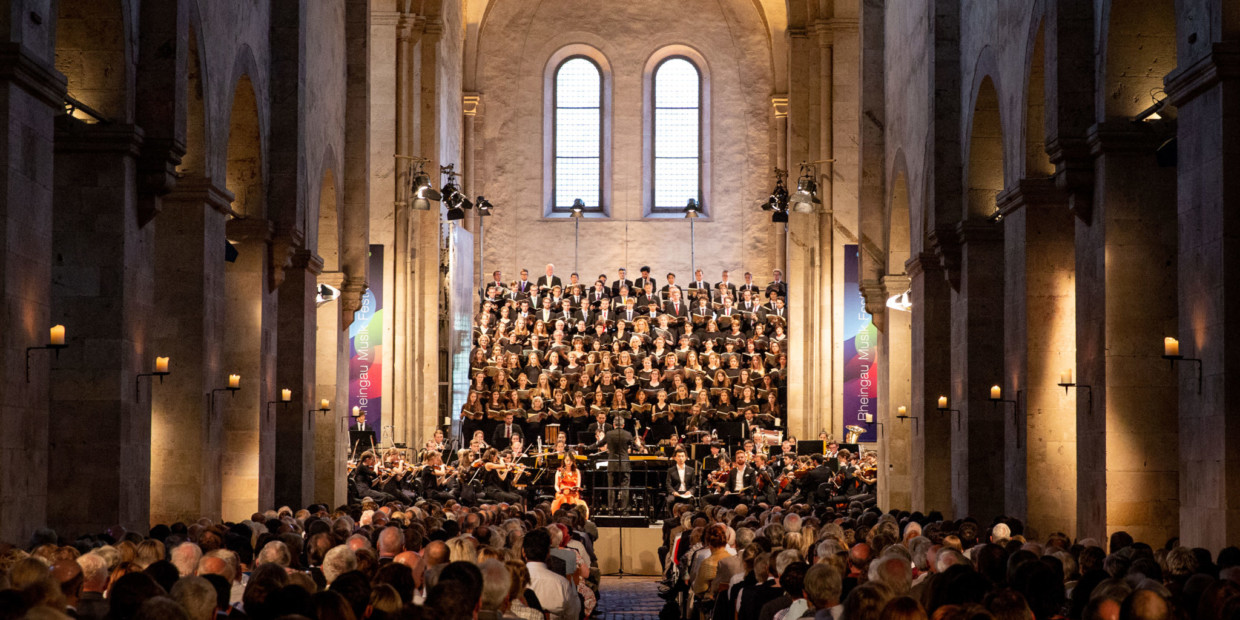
{"x": 555, "y": 594}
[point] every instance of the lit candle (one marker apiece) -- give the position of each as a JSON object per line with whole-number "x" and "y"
{"x": 286, "y": 395}
{"x": 357, "y": 412}
{"x": 1171, "y": 347}
{"x": 323, "y": 404}
{"x": 58, "y": 335}
{"x": 161, "y": 364}
{"x": 234, "y": 381}
{"x": 902, "y": 410}
{"x": 942, "y": 402}
{"x": 869, "y": 418}
{"x": 995, "y": 392}
{"x": 1065, "y": 377}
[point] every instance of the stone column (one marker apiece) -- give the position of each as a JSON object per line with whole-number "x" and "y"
{"x": 930, "y": 373}
{"x": 248, "y": 462}
{"x": 422, "y": 415}
{"x": 189, "y": 299}
{"x": 1127, "y": 439}
{"x": 779, "y": 105}
{"x": 1040, "y": 343}
{"x": 331, "y": 440}
{"x": 1207, "y": 93}
{"x": 296, "y": 337}
{"x": 103, "y": 281}
{"x": 895, "y": 385}
{"x": 33, "y": 95}
{"x": 976, "y": 364}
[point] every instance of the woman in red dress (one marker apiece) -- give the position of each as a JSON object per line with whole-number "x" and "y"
{"x": 568, "y": 484}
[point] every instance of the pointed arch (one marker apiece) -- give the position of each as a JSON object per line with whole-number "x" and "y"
{"x": 328, "y": 225}
{"x": 1037, "y": 162}
{"x": 984, "y": 172}
{"x": 244, "y": 164}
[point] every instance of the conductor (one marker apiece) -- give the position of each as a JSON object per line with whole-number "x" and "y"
{"x": 616, "y": 442}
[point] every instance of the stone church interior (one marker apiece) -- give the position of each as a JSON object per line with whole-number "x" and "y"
{"x": 307, "y": 283}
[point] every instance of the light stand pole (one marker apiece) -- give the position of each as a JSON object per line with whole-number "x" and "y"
{"x": 579, "y": 208}
{"x": 692, "y": 212}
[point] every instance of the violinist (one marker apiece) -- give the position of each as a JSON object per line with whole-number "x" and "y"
{"x": 766, "y": 489}
{"x": 435, "y": 477}
{"x": 364, "y": 479}
{"x": 394, "y": 476}
{"x": 717, "y": 481}
{"x": 497, "y": 477}
{"x": 787, "y": 457}
{"x": 568, "y": 483}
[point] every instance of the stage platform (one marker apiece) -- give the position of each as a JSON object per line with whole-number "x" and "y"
{"x": 641, "y": 550}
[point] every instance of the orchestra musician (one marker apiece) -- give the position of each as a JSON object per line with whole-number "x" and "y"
{"x": 498, "y": 476}
{"x": 681, "y": 479}
{"x": 435, "y": 477}
{"x": 364, "y": 479}
{"x": 568, "y": 483}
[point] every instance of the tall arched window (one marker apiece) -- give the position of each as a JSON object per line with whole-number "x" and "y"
{"x": 578, "y": 135}
{"x": 677, "y": 135}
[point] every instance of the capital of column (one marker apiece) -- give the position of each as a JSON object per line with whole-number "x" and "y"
{"x": 944, "y": 241}
{"x": 203, "y": 190}
{"x": 1222, "y": 63}
{"x": 979, "y": 230}
{"x": 875, "y": 296}
{"x": 351, "y": 291}
{"x": 308, "y": 260}
{"x": 470, "y": 103}
{"x": 76, "y": 136}
{"x": 921, "y": 264}
{"x": 780, "y": 104}
{"x": 19, "y": 65}
{"x": 1030, "y": 193}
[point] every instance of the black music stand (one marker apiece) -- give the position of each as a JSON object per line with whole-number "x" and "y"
{"x": 366, "y": 437}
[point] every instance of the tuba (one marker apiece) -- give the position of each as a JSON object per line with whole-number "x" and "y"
{"x": 853, "y": 433}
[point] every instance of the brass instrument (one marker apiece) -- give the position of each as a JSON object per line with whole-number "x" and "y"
{"x": 854, "y": 432}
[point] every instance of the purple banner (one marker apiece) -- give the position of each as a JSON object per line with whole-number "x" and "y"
{"x": 366, "y": 349}
{"x": 860, "y": 353}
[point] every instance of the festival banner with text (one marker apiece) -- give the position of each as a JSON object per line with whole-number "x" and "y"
{"x": 860, "y": 352}
{"x": 366, "y": 349}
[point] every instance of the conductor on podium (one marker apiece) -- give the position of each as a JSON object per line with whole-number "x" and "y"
{"x": 616, "y": 442}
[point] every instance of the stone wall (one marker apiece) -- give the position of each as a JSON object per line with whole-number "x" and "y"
{"x": 514, "y": 46}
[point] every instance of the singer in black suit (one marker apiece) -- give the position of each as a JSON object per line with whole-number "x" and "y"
{"x": 681, "y": 481}
{"x": 550, "y": 280}
{"x": 617, "y": 442}
{"x": 620, "y": 281}
{"x": 501, "y": 439}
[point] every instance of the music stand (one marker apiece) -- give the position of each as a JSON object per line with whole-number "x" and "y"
{"x": 812, "y": 446}
{"x": 366, "y": 437}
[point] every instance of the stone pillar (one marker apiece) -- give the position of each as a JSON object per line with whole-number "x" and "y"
{"x": 331, "y": 441}
{"x": 806, "y": 388}
{"x": 103, "y": 281}
{"x": 779, "y": 105}
{"x": 422, "y": 415}
{"x": 31, "y": 96}
{"x": 1127, "y": 439}
{"x": 1040, "y": 342}
{"x": 249, "y": 345}
{"x": 976, "y": 363}
{"x": 895, "y": 385}
{"x": 189, "y": 299}
{"x": 1207, "y": 93}
{"x": 930, "y": 373}
{"x": 295, "y": 338}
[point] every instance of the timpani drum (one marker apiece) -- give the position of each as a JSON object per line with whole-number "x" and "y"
{"x": 551, "y": 432}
